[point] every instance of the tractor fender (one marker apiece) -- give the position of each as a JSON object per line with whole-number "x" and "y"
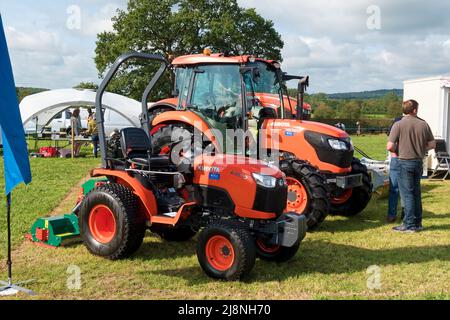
{"x": 146, "y": 197}
{"x": 170, "y": 103}
{"x": 188, "y": 118}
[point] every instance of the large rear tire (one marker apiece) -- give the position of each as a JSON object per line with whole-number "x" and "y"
{"x": 177, "y": 141}
{"x": 110, "y": 225}
{"x": 307, "y": 194}
{"x": 354, "y": 201}
{"x": 226, "y": 251}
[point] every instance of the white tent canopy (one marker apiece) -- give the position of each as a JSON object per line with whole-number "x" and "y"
{"x": 46, "y": 105}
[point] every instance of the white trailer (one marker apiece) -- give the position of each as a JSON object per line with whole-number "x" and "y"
{"x": 433, "y": 96}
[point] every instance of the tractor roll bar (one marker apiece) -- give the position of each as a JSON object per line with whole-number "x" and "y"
{"x": 101, "y": 90}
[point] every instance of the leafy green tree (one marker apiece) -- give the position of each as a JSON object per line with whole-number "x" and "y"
{"x": 323, "y": 111}
{"x": 351, "y": 110}
{"x": 86, "y": 85}
{"x": 178, "y": 27}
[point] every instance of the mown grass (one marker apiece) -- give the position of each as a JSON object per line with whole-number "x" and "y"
{"x": 332, "y": 262}
{"x": 52, "y": 180}
{"x": 373, "y": 145}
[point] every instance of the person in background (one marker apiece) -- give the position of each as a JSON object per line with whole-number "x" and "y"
{"x": 93, "y": 132}
{"x": 394, "y": 175}
{"x": 358, "y": 128}
{"x": 411, "y": 137}
{"x": 75, "y": 122}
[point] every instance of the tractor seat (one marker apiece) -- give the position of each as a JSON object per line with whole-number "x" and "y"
{"x": 156, "y": 163}
{"x": 136, "y": 149}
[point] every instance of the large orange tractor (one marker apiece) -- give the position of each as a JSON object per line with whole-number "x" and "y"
{"x": 215, "y": 94}
{"x": 135, "y": 190}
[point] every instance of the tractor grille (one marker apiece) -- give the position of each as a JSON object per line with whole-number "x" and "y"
{"x": 339, "y": 158}
{"x": 271, "y": 200}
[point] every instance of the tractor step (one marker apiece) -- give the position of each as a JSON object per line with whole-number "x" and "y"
{"x": 55, "y": 231}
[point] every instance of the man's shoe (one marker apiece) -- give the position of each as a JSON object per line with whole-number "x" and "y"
{"x": 419, "y": 228}
{"x": 391, "y": 219}
{"x": 405, "y": 229}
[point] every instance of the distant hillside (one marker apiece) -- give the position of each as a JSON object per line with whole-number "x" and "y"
{"x": 365, "y": 94}
{"x": 23, "y": 92}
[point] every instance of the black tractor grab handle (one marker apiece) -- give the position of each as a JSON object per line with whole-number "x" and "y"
{"x": 109, "y": 76}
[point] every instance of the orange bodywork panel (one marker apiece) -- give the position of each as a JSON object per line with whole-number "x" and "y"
{"x": 215, "y": 58}
{"x": 273, "y": 100}
{"x": 234, "y": 175}
{"x": 187, "y": 117}
{"x": 289, "y": 136}
{"x": 146, "y": 197}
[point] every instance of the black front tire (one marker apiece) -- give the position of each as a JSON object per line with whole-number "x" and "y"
{"x": 281, "y": 254}
{"x": 243, "y": 246}
{"x": 130, "y": 225}
{"x": 318, "y": 200}
{"x": 360, "y": 197}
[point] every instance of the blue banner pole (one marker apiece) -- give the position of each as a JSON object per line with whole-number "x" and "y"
{"x": 9, "y": 288}
{"x": 8, "y": 222}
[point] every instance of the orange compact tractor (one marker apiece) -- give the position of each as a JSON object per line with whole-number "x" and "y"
{"x": 216, "y": 94}
{"x": 234, "y": 202}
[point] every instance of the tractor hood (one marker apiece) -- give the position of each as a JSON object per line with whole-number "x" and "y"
{"x": 251, "y": 188}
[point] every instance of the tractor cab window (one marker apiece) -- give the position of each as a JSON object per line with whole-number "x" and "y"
{"x": 268, "y": 84}
{"x": 216, "y": 95}
{"x": 183, "y": 76}
{"x": 268, "y": 81}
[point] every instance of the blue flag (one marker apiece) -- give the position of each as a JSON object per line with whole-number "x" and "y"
{"x": 15, "y": 152}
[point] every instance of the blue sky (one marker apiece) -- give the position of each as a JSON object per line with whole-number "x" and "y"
{"x": 327, "y": 39}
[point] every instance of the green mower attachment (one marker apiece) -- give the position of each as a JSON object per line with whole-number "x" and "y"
{"x": 55, "y": 231}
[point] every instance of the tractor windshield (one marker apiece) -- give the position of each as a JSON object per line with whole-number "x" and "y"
{"x": 216, "y": 95}
{"x": 269, "y": 89}
{"x": 268, "y": 80}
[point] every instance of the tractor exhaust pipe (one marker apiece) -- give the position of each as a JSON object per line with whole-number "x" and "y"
{"x": 302, "y": 86}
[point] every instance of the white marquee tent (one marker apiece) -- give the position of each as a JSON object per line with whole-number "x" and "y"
{"x": 46, "y": 105}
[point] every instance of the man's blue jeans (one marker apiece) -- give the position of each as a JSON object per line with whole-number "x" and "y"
{"x": 394, "y": 190}
{"x": 409, "y": 183}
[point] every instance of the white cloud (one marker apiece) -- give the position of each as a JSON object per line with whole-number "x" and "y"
{"x": 327, "y": 39}
{"x": 42, "y": 41}
{"x": 95, "y": 23}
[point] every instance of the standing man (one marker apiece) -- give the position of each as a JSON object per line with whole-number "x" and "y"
{"x": 394, "y": 177}
{"x": 414, "y": 138}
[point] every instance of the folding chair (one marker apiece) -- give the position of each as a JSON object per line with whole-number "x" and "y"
{"x": 443, "y": 159}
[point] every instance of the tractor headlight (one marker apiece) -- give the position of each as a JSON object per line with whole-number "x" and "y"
{"x": 337, "y": 144}
{"x": 265, "y": 181}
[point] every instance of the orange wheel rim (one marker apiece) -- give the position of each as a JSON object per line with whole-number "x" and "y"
{"x": 297, "y": 196}
{"x": 267, "y": 248}
{"x": 343, "y": 197}
{"x": 220, "y": 253}
{"x": 102, "y": 224}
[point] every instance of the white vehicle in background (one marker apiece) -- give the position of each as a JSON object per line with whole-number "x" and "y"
{"x": 61, "y": 122}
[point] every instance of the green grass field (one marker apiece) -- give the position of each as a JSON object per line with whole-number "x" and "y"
{"x": 52, "y": 181}
{"x": 332, "y": 262}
